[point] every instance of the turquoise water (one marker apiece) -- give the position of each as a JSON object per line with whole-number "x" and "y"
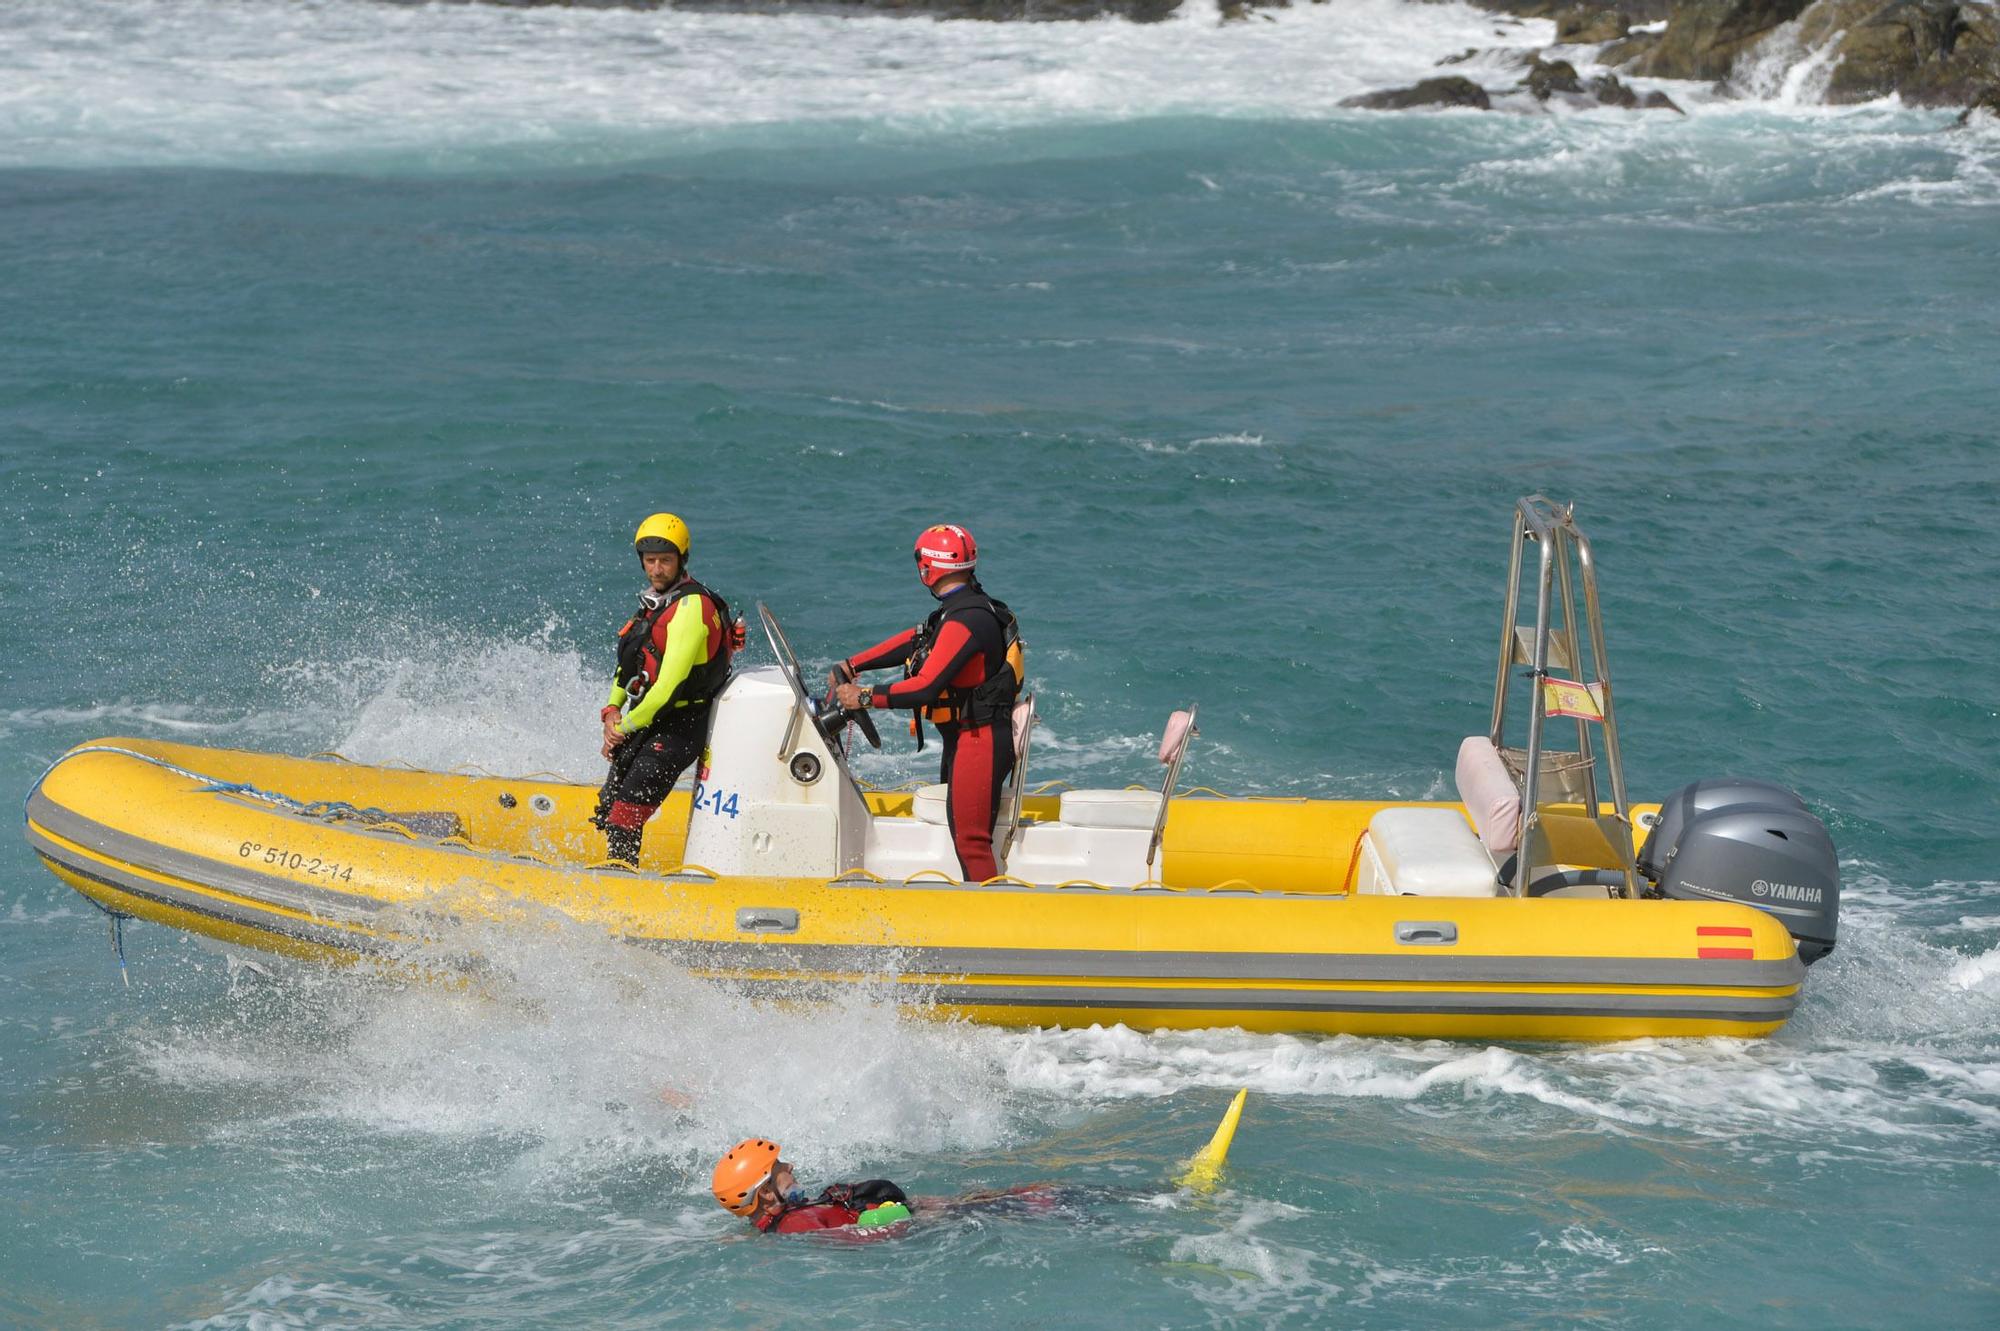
{"x": 344, "y": 347}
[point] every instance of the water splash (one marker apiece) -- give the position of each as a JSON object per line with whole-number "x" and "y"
{"x": 1787, "y": 70}
{"x": 589, "y": 1055}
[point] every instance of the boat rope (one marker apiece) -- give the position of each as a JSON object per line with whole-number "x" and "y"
{"x": 115, "y": 919}
{"x": 326, "y": 810}
{"x": 118, "y": 945}
{"x": 370, "y": 817}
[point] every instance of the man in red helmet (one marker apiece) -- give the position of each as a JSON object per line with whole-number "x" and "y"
{"x": 963, "y": 669}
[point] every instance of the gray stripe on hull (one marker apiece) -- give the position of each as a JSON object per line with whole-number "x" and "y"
{"x": 174, "y": 863}
{"x": 196, "y": 903}
{"x": 1428, "y": 966}
{"x": 1427, "y": 1003}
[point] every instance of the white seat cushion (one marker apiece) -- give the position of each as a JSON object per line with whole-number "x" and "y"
{"x": 1430, "y": 853}
{"x": 1110, "y": 808}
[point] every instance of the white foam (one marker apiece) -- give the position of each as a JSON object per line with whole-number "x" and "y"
{"x": 1263, "y": 1271}
{"x": 1887, "y": 1003}
{"x": 590, "y": 1053}
{"x": 582, "y": 1057}
{"x": 124, "y": 711}
{"x": 1976, "y": 971}
{"x": 281, "y": 83}
{"x": 1783, "y": 69}
{"x": 351, "y": 84}
{"x": 19, "y": 914}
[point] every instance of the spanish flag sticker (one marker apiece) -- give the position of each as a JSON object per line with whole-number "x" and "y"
{"x": 1566, "y": 697}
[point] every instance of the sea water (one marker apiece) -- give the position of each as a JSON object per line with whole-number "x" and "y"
{"x": 343, "y": 345}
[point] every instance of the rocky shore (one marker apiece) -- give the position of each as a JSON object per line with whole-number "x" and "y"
{"x": 1929, "y": 52}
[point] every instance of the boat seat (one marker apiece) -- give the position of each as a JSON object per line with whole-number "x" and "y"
{"x": 898, "y": 847}
{"x": 1425, "y": 853}
{"x": 1062, "y": 852}
{"x": 929, "y": 804}
{"x": 1132, "y": 809}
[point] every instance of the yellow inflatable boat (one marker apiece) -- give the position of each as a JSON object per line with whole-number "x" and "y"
{"x": 778, "y": 872}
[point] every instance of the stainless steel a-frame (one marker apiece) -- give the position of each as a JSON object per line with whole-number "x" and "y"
{"x": 1546, "y": 777}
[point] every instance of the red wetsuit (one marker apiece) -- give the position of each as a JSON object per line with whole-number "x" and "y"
{"x": 969, "y": 646}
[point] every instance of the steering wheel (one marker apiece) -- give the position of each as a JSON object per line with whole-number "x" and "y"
{"x": 828, "y": 721}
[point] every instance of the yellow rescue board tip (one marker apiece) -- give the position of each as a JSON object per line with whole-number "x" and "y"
{"x": 1206, "y": 1166}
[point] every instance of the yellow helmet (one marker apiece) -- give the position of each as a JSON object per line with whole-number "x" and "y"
{"x": 663, "y": 532}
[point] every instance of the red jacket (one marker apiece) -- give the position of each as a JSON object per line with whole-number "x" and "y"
{"x": 803, "y": 1219}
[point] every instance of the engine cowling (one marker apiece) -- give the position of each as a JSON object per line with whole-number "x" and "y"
{"x": 1736, "y": 839}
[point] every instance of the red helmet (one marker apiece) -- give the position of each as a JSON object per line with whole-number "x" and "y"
{"x": 944, "y": 549}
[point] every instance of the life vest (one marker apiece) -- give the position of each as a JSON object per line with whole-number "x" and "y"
{"x": 639, "y": 663}
{"x": 838, "y": 1206}
{"x": 991, "y": 699}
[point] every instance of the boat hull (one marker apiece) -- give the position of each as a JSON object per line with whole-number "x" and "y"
{"x": 191, "y": 838}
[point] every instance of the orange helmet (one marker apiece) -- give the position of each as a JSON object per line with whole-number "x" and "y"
{"x": 740, "y": 1173}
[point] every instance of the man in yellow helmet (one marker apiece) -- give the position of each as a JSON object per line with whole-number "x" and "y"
{"x": 673, "y": 658}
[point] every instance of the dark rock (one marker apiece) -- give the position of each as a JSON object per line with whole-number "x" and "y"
{"x": 1546, "y": 77}
{"x": 1236, "y": 11}
{"x": 1987, "y": 102}
{"x": 1931, "y": 52}
{"x": 1628, "y": 11}
{"x": 1659, "y": 101}
{"x": 1460, "y": 58}
{"x": 1581, "y": 25}
{"x": 1704, "y": 37}
{"x": 1524, "y": 8}
{"x": 1610, "y": 91}
{"x": 1450, "y": 90}
{"x": 1629, "y": 48}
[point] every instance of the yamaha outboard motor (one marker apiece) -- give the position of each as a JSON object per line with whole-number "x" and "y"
{"x": 1733, "y": 839}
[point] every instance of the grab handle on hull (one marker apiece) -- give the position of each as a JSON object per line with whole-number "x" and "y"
{"x": 1426, "y": 933}
{"x": 767, "y": 920}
